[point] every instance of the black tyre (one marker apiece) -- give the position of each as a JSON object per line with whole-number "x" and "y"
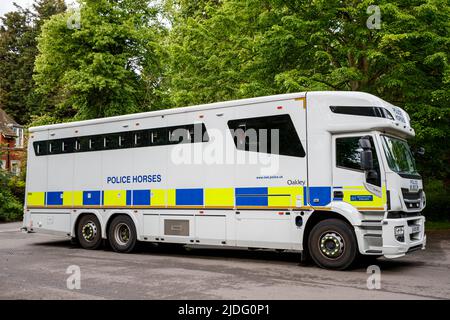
{"x": 332, "y": 244}
{"x": 122, "y": 234}
{"x": 89, "y": 232}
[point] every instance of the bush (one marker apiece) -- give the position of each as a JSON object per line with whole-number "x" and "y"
{"x": 16, "y": 186}
{"x": 438, "y": 201}
{"x": 11, "y": 209}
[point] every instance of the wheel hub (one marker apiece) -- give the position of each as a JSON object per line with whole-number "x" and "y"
{"x": 89, "y": 231}
{"x": 331, "y": 245}
{"x": 122, "y": 233}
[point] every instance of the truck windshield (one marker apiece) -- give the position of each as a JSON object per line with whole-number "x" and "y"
{"x": 399, "y": 157}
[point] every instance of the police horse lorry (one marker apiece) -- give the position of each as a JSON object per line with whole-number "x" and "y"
{"x": 326, "y": 174}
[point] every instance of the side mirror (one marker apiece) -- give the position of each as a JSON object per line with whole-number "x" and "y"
{"x": 366, "y": 160}
{"x": 420, "y": 151}
{"x": 365, "y": 143}
{"x": 366, "y": 154}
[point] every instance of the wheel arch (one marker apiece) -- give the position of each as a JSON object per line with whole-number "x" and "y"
{"x": 321, "y": 215}
{"x": 116, "y": 214}
{"x": 82, "y": 214}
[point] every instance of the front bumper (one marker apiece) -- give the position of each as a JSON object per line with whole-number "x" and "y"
{"x": 378, "y": 238}
{"x": 414, "y": 236}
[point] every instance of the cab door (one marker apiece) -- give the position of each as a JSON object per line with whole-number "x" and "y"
{"x": 362, "y": 189}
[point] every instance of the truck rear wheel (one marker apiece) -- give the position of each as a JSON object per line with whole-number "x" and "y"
{"x": 122, "y": 234}
{"x": 332, "y": 244}
{"x": 89, "y": 232}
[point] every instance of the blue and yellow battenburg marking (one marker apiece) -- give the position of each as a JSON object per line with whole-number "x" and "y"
{"x": 359, "y": 196}
{"x": 195, "y": 197}
{"x": 259, "y": 197}
{"x": 36, "y": 198}
{"x": 219, "y": 197}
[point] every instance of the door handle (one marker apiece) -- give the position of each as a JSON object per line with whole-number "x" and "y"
{"x": 338, "y": 194}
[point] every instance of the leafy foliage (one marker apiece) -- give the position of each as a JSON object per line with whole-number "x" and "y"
{"x": 18, "y": 40}
{"x": 138, "y": 55}
{"x": 240, "y": 49}
{"x": 11, "y": 208}
{"x": 109, "y": 66}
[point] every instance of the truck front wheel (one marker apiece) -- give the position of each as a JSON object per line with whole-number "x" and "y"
{"x": 332, "y": 244}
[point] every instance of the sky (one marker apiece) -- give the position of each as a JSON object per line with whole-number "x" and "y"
{"x": 7, "y": 5}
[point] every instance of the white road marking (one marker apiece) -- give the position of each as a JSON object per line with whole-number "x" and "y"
{"x": 10, "y": 230}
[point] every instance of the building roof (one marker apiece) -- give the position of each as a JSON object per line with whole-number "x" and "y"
{"x": 6, "y": 124}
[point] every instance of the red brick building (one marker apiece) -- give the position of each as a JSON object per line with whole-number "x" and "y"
{"x": 11, "y": 143}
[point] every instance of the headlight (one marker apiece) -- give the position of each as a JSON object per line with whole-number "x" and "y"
{"x": 399, "y": 233}
{"x": 424, "y": 199}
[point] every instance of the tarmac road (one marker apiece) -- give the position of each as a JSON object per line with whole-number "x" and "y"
{"x": 33, "y": 266}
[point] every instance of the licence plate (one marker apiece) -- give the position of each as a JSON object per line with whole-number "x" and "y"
{"x": 415, "y": 228}
{"x": 413, "y": 186}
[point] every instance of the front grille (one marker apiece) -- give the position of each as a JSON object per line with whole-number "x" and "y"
{"x": 411, "y": 195}
{"x": 402, "y": 214}
{"x": 412, "y": 199}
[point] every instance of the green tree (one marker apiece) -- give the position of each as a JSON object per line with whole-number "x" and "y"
{"x": 11, "y": 208}
{"x": 45, "y": 9}
{"x": 191, "y": 8}
{"x": 16, "y": 62}
{"x": 327, "y": 45}
{"x": 209, "y": 49}
{"x": 261, "y": 47}
{"x": 107, "y": 66}
{"x": 18, "y": 50}
{"x": 18, "y": 32}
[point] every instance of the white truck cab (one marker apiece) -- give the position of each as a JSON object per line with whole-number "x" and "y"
{"x": 374, "y": 175}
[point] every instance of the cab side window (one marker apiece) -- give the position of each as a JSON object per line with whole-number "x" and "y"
{"x": 348, "y": 156}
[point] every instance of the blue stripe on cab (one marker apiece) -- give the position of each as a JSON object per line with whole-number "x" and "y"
{"x": 141, "y": 197}
{"x": 189, "y": 197}
{"x": 319, "y": 196}
{"x": 92, "y": 198}
{"x": 54, "y": 198}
